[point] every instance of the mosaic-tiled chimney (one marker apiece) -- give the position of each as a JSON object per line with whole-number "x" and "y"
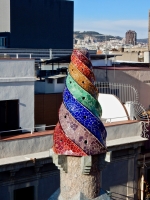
{"x": 80, "y": 131}
{"x": 80, "y": 136}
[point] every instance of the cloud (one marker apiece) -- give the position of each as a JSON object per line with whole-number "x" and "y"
{"x": 114, "y": 27}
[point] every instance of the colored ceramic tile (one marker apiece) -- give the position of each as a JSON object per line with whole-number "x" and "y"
{"x": 83, "y": 81}
{"x": 82, "y": 58}
{"x": 84, "y": 116}
{"x": 78, "y": 133}
{"x": 63, "y": 145}
{"x": 83, "y": 68}
{"x": 85, "y": 52}
{"x": 83, "y": 96}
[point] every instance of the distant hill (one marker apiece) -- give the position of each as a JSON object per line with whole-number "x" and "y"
{"x": 100, "y": 37}
{"x": 143, "y": 40}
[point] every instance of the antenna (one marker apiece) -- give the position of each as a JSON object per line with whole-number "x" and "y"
{"x": 149, "y": 32}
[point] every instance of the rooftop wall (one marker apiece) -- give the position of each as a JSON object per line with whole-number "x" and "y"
{"x": 128, "y": 56}
{"x": 16, "y": 68}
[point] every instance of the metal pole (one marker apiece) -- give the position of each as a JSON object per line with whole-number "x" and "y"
{"x": 40, "y": 72}
{"x": 105, "y": 58}
{"x": 114, "y": 66}
{"x": 50, "y": 54}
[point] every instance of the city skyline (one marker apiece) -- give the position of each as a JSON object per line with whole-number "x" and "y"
{"x": 112, "y": 18}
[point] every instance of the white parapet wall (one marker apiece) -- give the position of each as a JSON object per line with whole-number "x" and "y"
{"x": 97, "y": 63}
{"x": 52, "y": 84}
{"x": 146, "y": 56}
{"x": 17, "y": 83}
{"x": 112, "y": 108}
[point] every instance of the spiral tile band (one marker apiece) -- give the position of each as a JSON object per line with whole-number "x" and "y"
{"x": 83, "y": 97}
{"x": 80, "y": 131}
{"x": 82, "y": 81}
{"x": 83, "y": 57}
{"x": 82, "y": 68}
{"x": 63, "y": 145}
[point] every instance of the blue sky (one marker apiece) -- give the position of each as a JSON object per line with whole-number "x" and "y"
{"x": 112, "y": 17}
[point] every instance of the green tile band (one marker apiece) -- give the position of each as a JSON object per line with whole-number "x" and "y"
{"x": 83, "y": 96}
{"x": 83, "y": 81}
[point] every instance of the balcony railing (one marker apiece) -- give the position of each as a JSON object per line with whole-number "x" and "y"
{"x": 124, "y": 92}
{"x": 127, "y": 93}
{"x": 37, "y": 54}
{"x": 27, "y": 130}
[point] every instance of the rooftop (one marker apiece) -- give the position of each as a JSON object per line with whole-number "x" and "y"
{"x": 126, "y": 67}
{"x": 67, "y": 59}
{"x": 29, "y": 147}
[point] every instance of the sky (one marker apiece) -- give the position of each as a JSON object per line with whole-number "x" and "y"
{"x": 112, "y": 17}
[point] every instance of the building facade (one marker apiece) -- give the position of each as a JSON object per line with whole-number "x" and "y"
{"x": 36, "y": 24}
{"x": 26, "y": 169}
{"x": 26, "y": 166}
{"x": 131, "y": 37}
{"x": 16, "y": 94}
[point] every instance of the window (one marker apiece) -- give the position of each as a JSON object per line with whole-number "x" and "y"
{"x": 2, "y": 41}
{"x": 50, "y": 80}
{"x": 24, "y": 193}
{"x": 9, "y": 115}
{"x": 61, "y": 80}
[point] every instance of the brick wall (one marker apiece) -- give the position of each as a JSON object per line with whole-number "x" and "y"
{"x": 46, "y": 108}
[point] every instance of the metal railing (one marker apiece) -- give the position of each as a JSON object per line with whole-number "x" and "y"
{"x": 110, "y": 119}
{"x": 36, "y": 54}
{"x": 124, "y": 92}
{"x": 27, "y": 130}
{"x": 127, "y": 93}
